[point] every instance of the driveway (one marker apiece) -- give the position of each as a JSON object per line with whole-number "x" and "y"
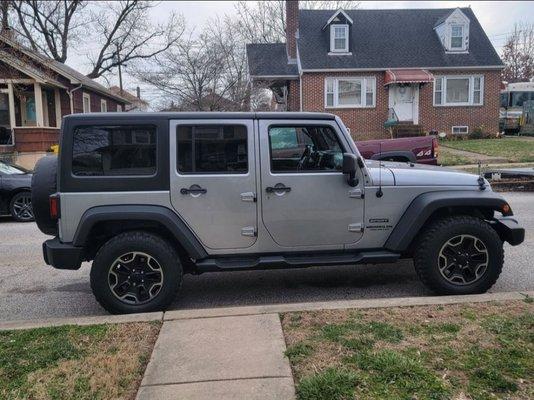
{"x": 31, "y": 290}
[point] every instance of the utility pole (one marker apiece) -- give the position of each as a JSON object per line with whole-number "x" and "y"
{"x": 120, "y": 69}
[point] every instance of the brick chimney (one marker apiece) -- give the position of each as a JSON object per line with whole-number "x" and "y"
{"x": 292, "y": 27}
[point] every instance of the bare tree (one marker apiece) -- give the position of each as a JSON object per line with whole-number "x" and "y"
{"x": 122, "y": 30}
{"x": 191, "y": 74}
{"x": 49, "y": 27}
{"x": 124, "y": 34}
{"x": 518, "y": 54}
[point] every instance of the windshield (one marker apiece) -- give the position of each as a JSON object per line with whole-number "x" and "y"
{"x": 518, "y": 98}
{"x": 10, "y": 169}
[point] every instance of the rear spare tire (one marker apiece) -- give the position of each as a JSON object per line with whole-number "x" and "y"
{"x": 44, "y": 183}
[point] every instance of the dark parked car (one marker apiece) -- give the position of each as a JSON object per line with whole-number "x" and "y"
{"x": 15, "y": 195}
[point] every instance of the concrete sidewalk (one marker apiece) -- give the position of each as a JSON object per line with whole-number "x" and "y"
{"x": 235, "y": 357}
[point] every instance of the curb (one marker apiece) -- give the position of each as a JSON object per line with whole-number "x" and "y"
{"x": 93, "y": 320}
{"x": 335, "y": 305}
{"x": 266, "y": 309}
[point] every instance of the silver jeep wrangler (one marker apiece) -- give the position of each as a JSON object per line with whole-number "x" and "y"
{"x": 149, "y": 197}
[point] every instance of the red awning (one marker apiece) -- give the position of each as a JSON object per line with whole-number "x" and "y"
{"x": 407, "y": 76}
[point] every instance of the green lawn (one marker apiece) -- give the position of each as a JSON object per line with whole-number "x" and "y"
{"x": 74, "y": 362}
{"x": 446, "y": 157}
{"x": 513, "y": 149}
{"x": 478, "y": 351}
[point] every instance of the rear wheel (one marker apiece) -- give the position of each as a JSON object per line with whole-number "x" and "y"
{"x": 459, "y": 255}
{"x": 20, "y": 207}
{"x": 136, "y": 272}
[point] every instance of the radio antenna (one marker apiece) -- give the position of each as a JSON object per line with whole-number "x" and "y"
{"x": 379, "y": 192}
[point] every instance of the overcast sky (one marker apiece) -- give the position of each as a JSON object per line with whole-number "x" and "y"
{"x": 496, "y": 17}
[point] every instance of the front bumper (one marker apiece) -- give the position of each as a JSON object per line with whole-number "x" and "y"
{"x": 62, "y": 255}
{"x": 510, "y": 230}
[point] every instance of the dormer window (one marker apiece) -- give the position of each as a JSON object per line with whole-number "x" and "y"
{"x": 457, "y": 37}
{"x": 453, "y": 31}
{"x": 339, "y": 38}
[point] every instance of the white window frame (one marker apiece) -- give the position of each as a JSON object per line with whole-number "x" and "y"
{"x": 363, "y": 80}
{"x": 119, "y": 107}
{"x": 443, "y": 91}
{"x": 103, "y": 105}
{"x": 462, "y": 43}
{"x": 332, "y": 38}
{"x": 463, "y": 127}
{"x": 88, "y": 97}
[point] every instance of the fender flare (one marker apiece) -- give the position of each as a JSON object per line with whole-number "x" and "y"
{"x": 159, "y": 214}
{"x": 424, "y": 205}
{"x": 386, "y": 154}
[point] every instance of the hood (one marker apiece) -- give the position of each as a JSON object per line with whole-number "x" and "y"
{"x": 409, "y": 174}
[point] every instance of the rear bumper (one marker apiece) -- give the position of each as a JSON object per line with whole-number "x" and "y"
{"x": 62, "y": 255}
{"x": 510, "y": 230}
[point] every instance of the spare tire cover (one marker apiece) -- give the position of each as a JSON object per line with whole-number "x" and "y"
{"x": 44, "y": 183}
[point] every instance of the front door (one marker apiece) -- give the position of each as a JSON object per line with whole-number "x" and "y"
{"x": 213, "y": 180}
{"x": 402, "y": 98}
{"x": 306, "y": 200}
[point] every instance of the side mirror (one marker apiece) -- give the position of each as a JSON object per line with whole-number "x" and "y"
{"x": 350, "y": 166}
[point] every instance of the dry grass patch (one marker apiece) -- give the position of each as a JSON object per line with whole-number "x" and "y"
{"x": 475, "y": 351}
{"x": 92, "y": 362}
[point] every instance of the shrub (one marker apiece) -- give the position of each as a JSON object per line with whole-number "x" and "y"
{"x": 479, "y": 132}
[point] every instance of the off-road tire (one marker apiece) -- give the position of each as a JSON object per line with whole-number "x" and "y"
{"x": 431, "y": 240}
{"x": 12, "y": 204}
{"x": 145, "y": 242}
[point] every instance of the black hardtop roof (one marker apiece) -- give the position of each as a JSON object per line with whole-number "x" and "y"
{"x": 139, "y": 116}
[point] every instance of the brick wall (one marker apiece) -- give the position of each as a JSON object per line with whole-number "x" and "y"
{"x": 364, "y": 123}
{"x": 35, "y": 139}
{"x": 443, "y": 119}
{"x": 95, "y": 101}
{"x": 368, "y": 123}
{"x": 293, "y": 100}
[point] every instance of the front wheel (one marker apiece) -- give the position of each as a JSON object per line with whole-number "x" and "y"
{"x": 459, "y": 255}
{"x": 21, "y": 207}
{"x": 136, "y": 272}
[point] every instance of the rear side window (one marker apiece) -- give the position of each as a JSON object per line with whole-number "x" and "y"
{"x": 114, "y": 150}
{"x": 212, "y": 149}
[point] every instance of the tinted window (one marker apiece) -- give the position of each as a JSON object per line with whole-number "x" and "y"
{"x": 205, "y": 149}
{"x": 304, "y": 148}
{"x": 114, "y": 150}
{"x": 518, "y": 98}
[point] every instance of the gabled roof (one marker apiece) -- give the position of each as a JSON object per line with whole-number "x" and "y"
{"x": 28, "y": 69}
{"x": 334, "y": 16}
{"x": 382, "y": 39}
{"x": 64, "y": 70}
{"x": 270, "y": 59}
{"x": 446, "y": 16}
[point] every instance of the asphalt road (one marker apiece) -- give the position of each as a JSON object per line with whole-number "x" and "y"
{"x": 31, "y": 290}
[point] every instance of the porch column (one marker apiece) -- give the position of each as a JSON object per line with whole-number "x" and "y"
{"x": 11, "y": 99}
{"x": 57, "y": 101}
{"x": 39, "y": 116}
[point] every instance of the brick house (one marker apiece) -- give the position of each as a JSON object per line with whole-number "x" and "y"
{"x": 35, "y": 92}
{"x": 423, "y": 69}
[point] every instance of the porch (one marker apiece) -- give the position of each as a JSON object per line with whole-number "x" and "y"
{"x": 30, "y": 115}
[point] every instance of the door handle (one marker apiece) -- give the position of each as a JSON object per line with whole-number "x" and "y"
{"x": 270, "y": 189}
{"x": 193, "y": 190}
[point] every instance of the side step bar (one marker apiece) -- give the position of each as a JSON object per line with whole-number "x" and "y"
{"x": 294, "y": 260}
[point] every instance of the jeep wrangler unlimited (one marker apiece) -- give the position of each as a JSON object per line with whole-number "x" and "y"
{"x": 149, "y": 197}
